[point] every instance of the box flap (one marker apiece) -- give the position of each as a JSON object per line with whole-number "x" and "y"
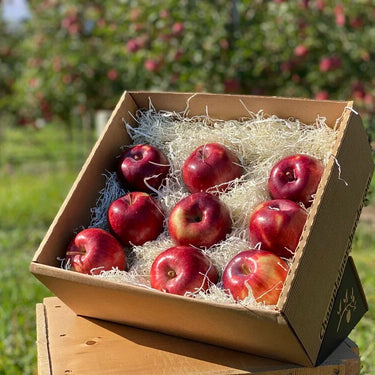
{"x": 316, "y": 272}
{"x": 227, "y": 106}
{"x": 349, "y": 307}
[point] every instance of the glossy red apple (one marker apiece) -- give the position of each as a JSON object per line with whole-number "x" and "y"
{"x": 142, "y": 166}
{"x": 210, "y": 165}
{"x": 94, "y": 250}
{"x": 200, "y": 219}
{"x": 182, "y": 269}
{"x": 136, "y": 218}
{"x": 296, "y": 177}
{"x": 277, "y": 224}
{"x": 260, "y": 271}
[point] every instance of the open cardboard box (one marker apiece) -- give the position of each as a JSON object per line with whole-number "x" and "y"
{"x": 322, "y": 299}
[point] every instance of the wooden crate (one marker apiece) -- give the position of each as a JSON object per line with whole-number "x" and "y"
{"x": 70, "y": 345}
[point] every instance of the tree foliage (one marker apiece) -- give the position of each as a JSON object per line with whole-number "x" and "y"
{"x": 80, "y": 56}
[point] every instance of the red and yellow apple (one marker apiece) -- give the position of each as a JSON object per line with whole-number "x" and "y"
{"x": 200, "y": 219}
{"x": 261, "y": 272}
{"x": 94, "y": 250}
{"x": 142, "y": 166}
{"x": 277, "y": 224}
{"x": 136, "y": 218}
{"x": 296, "y": 177}
{"x": 209, "y": 165}
{"x": 182, "y": 269}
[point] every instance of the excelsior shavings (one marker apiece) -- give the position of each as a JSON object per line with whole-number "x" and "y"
{"x": 259, "y": 141}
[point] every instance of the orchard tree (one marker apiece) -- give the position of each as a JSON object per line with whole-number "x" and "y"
{"x": 80, "y": 56}
{"x": 307, "y": 48}
{"x": 10, "y": 65}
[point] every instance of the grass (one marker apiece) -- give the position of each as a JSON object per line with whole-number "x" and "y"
{"x": 364, "y": 333}
{"x": 19, "y": 237}
{"x": 37, "y": 169}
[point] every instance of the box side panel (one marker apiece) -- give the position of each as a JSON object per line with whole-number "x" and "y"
{"x": 349, "y": 307}
{"x": 260, "y": 332}
{"x": 317, "y": 270}
{"x": 227, "y": 107}
{"x": 75, "y": 211}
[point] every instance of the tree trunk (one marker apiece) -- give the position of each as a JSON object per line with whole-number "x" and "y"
{"x": 87, "y": 125}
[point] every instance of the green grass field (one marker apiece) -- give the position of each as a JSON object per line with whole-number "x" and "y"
{"x": 364, "y": 333}
{"x": 37, "y": 169}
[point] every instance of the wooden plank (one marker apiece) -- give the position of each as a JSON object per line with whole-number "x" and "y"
{"x": 42, "y": 343}
{"x": 69, "y": 344}
{"x": 348, "y": 354}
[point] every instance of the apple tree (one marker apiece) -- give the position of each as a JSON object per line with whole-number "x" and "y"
{"x": 9, "y": 65}
{"x": 80, "y": 56}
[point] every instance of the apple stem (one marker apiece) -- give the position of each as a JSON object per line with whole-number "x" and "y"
{"x": 246, "y": 270}
{"x": 171, "y": 274}
{"x": 203, "y": 151}
{"x": 289, "y": 175}
{"x": 130, "y": 199}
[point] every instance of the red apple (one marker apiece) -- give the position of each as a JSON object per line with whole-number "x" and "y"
{"x": 94, "y": 250}
{"x": 277, "y": 225}
{"x": 200, "y": 219}
{"x": 295, "y": 177}
{"x": 182, "y": 269}
{"x": 112, "y": 74}
{"x": 232, "y": 85}
{"x": 301, "y": 50}
{"x": 153, "y": 65}
{"x": 322, "y": 95}
{"x": 136, "y": 218}
{"x": 330, "y": 63}
{"x": 210, "y": 165}
{"x": 178, "y": 28}
{"x": 260, "y": 271}
{"x": 132, "y": 45}
{"x": 142, "y": 165}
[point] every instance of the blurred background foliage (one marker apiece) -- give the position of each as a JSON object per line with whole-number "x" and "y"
{"x": 71, "y": 58}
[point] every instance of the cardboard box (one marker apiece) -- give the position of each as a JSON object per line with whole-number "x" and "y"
{"x": 322, "y": 298}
